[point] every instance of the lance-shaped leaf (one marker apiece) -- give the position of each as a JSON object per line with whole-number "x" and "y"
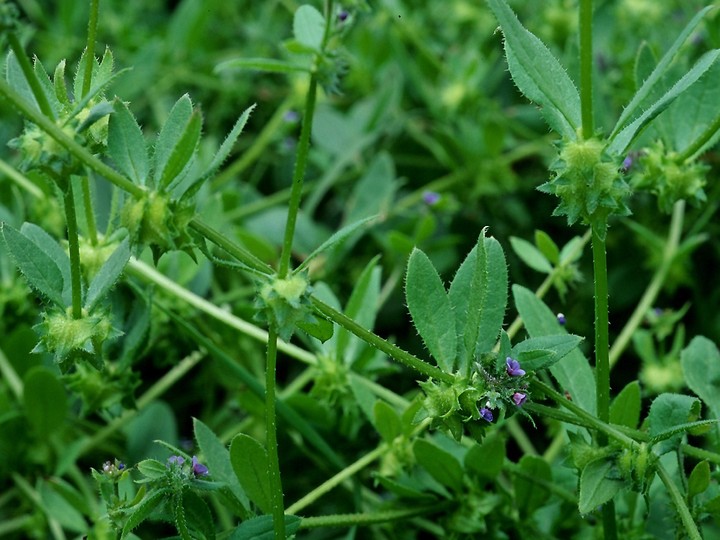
{"x": 309, "y": 27}
{"x": 261, "y": 64}
{"x": 126, "y": 144}
{"x": 538, "y": 74}
{"x": 596, "y": 485}
{"x": 108, "y": 275}
{"x": 39, "y": 268}
{"x": 545, "y": 351}
{"x": 177, "y": 141}
{"x": 250, "y": 462}
{"x": 261, "y": 528}
{"x": 430, "y": 310}
{"x": 51, "y": 248}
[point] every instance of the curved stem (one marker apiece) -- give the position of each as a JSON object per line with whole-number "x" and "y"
{"x": 690, "y": 526}
{"x": 586, "y": 67}
{"x": 90, "y": 47}
{"x": 275, "y": 480}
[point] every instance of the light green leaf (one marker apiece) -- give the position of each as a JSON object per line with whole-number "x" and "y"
{"x": 176, "y": 142}
{"x": 595, "y": 486}
{"x": 251, "y": 465}
{"x": 530, "y": 255}
{"x": 545, "y": 351}
{"x": 218, "y": 460}
{"x": 430, "y": 310}
{"x": 50, "y": 246}
{"x": 538, "y": 74}
{"x": 700, "y": 362}
{"x": 620, "y": 142}
{"x": 699, "y": 479}
{"x": 38, "y": 267}
{"x": 668, "y": 412}
{"x": 17, "y": 81}
{"x": 261, "y": 64}
{"x": 547, "y": 246}
{"x": 45, "y": 401}
{"x": 573, "y": 372}
{"x": 108, "y": 275}
{"x": 126, "y": 144}
{"x": 442, "y": 465}
{"x": 387, "y": 421}
{"x": 60, "y": 508}
{"x": 625, "y": 408}
{"x": 309, "y": 27}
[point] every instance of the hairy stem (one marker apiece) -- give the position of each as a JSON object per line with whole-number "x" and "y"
{"x": 276, "y": 490}
{"x": 586, "y": 67}
{"x": 90, "y": 47}
{"x": 690, "y": 526}
{"x": 74, "y": 249}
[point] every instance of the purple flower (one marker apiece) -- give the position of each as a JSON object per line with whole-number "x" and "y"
{"x": 519, "y": 398}
{"x": 513, "y": 368}
{"x": 627, "y": 163}
{"x": 430, "y": 198}
{"x": 198, "y": 468}
{"x": 291, "y": 117}
{"x": 561, "y": 319}
{"x": 486, "y": 414}
{"x": 175, "y": 460}
{"x": 343, "y": 14}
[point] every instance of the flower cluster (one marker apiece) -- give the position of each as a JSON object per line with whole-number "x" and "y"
{"x": 197, "y": 468}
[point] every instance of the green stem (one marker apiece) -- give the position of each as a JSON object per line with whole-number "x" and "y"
{"x": 379, "y": 343}
{"x": 336, "y": 480}
{"x": 30, "y": 76}
{"x": 89, "y": 214}
{"x": 369, "y": 518}
{"x": 586, "y": 67}
{"x": 690, "y": 526}
{"x": 298, "y": 177}
{"x": 21, "y": 180}
{"x": 276, "y": 492}
{"x": 653, "y": 289}
{"x": 78, "y": 151}
{"x": 10, "y": 376}
{"x": 90, "y": 47}
{"x": 74, "y": 249}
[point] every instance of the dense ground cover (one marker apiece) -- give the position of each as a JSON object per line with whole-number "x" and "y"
{"x": 465, "y": 188}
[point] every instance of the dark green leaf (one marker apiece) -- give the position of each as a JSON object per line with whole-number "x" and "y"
{"x": 530, "y": 255}
{"x": 142, "y": 511}
{"x": 97, "y": 112}
{"x": 430, "y": 310}
{"x": 251, "y": 466}
{"x": 595, "y": 486}
{"x": 442, "y": 465}
{"x": 261, "y": 528}
{"x": 699, "y": 479}
{"x": 529, "y": 496}
{"x": 126, "y": 144}
{"x": 668, "y": 412}
{"x": 538, "y": 74}
{"x": 45, "y": 400}
{"x": 701, "y": 367}
{"x": 60, "y": 508}
{"x": 17, "y": 81}
{"x": 387, "y": 421}
{"x": 108, "y": 275}
{"x": 198, "y": 515}
{"x": 625, "y": 408}
{"x": 487, "y": 459}
{"x": 38, "y": 267}
{"x": 320, "y": 328}
{"x": 218, "y": 460}
{"x": 543, "y": 352}
{"x": 179, "y": 124}
{"x": 309, "y": 27}
{"x": 50, "y": 246}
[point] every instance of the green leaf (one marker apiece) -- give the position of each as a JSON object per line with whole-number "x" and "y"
{"x": 152, "y": 469}
{"x": 126, "y": 144}
{"x": 51, "y": 247}
{"x": 538, "y": 74}
{"x": 261, "y": 528}
{"x": 543, "y": 352}
{"x": 547, "y": 246}
{"x": 59, "y": 84}
{"x": 595, "y": 486}
{"x": 60, "y": 508}
{"x": 700, "y": 362}
{"x": 335, "y": 239}
{"x": 142, "y": 511}
{"x": 320, "y": 328}
{"x": 387, "y": 421}
{"x": 218, "y": 460}
{"x": 198, "y": 515}
{"x": 699, "y": 479}
{"x": 620, "y": 142}
{"x": 667, "y": 418}
{"x": 47, "y": 87}
{"x": 478, "y": 295}
{"x": 179, "y": 130}
{"x": 309, "y": 27}
{"x": 625, "y": 408}
{"x": 17, "y": 81}
{"x": 261, "y": 64}
{"x": 487, "y": 459}
{"x": 529, "y": 496}
{"x": 430, "y": 310}
{"x": 108, "y": 275}
{"x": 45, "y": 401}
{"x": 530, "y": 255}
{"x": 442, "y": 465}
{"x": 251, "y": 466}
{"x": 650, "y": 83}
{"x": 573, "y": 373}
{"x": 38, "y": 267}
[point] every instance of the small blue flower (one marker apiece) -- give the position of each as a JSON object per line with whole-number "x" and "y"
{"x": 486, "y": 414}
{"x": 513, "y": 368}
{"x": 561, "y": 319}
{"x": 431, "y": 198}
{"x": 198, "y": 468}
{"x": 343, "y": 15}
{"x": 175, "y": 460}
{"x": 519, "y": 398}
{"x": 291, "y": 117}
{"x": 627, "y": 163}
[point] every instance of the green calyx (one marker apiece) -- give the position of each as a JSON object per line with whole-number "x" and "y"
{"x": 669, "y": 180}
{"x": 285, "y": 303}
{"x": 588, "y": 184}
{"x": 637, "y": 466}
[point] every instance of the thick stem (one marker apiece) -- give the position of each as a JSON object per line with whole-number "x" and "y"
{"x": 90, "y": 47}
{"x": 74, "y": 249}
{"x": 276, "y": 492}
{"x": 298, "y": 177}
{"x": 586, "y": 67}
